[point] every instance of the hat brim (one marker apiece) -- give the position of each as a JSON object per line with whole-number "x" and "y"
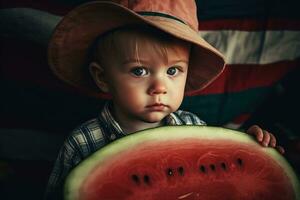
{"x": 73, "y": 36}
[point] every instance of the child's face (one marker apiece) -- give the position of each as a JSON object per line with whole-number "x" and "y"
{"x": 147, "y": 83}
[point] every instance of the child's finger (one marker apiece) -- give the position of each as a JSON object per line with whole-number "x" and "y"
{"x": 280, "y": 149}
{"x": 257, "y": 132}
{"x": 272, "y": 140}
{"x": 266, "y": 139}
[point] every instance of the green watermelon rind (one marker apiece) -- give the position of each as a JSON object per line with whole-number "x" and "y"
{"x": 77, "y": 176}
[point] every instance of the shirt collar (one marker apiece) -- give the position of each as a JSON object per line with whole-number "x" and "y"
{"x": 173, "y": 119}
{"x": 112, "y": 128}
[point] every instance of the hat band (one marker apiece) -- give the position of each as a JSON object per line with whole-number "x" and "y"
{"x": 148, "y": 13}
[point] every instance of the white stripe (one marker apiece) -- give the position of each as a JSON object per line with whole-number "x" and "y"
{"x": 255, "y": 47}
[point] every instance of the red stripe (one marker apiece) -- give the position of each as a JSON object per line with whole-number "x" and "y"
{"x": 241, "y": 77}
{"x": 241, "y": 118}
{"x": 250, "y": 24}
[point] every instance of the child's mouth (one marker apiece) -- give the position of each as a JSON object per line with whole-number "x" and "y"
{"x": 157, "y": 107}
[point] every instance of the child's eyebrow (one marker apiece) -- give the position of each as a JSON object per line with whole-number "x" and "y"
{"x": 146, "y": 61}
{"x": 134, "y": 61}
{"x": 179, "y": 61}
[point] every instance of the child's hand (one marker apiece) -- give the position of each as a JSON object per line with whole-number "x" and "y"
{"x": 264, "y": 137}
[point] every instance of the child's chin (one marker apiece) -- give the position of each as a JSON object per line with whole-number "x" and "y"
{"x": 154, "y": 118}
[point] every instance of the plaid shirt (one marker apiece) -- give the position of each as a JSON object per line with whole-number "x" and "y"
{"x": 93, "y": 135}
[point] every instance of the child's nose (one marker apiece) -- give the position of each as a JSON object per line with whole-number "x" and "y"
{"x": 157, "y": 87}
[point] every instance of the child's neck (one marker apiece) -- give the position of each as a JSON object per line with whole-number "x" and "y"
{"x": 130, "y": 125}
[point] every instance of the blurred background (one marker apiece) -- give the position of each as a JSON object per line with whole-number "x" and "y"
{"x": 259, "y": 38}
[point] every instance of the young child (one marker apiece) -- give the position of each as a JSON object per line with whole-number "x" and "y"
{"x": 146, "y": 56}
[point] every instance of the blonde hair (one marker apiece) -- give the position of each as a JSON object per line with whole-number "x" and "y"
{"x": 125, "y": 41}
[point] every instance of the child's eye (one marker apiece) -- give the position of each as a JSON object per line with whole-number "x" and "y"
{"x": 172, "y": 71}
{"x": 139, "y": 71}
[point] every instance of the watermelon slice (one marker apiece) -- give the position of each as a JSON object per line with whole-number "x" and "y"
{"x": 184, "y": 162}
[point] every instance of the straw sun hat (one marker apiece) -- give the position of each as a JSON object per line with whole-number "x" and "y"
{"x": 73, "y": 36}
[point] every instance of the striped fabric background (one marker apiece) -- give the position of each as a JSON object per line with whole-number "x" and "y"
{"x": 261, "y": 44}
{"x": 259, "y": 54}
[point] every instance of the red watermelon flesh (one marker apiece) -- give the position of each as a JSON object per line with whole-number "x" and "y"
{"x": 192, "y": 163}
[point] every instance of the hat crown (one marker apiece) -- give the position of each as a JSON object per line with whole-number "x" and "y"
{"x": 184, "y": 10}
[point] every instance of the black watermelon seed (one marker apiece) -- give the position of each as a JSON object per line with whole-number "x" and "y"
{"x": 170, "y": 172}
{"x": 240, "y": 161}
{"x": 135, "y": 178}
{"x": 146, "y": 179}
{"x": 202, "y": 168}
{"x": 212, "y": 167}
{"x": 181, "y": 171}
{"x": 223, "y": 165}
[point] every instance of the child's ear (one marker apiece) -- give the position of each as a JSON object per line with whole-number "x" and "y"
{"x": 97, "y": 73}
